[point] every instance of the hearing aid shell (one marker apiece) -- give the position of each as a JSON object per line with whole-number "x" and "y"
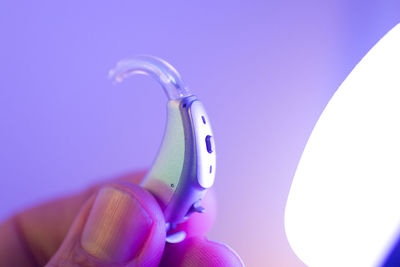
{"x": 186, "y": 162}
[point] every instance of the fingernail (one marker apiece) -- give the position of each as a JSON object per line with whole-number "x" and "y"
{"x": 117, "y": 226}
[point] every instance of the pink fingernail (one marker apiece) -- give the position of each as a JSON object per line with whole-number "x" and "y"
{"x": 117, "y": 226}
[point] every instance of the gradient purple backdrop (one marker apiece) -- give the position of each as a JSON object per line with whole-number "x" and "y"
{"x": 264, "y": 70}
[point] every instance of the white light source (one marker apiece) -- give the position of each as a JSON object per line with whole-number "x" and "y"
{"x": 343, "y": 207}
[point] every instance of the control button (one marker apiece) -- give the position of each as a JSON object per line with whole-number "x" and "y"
{"x": 196, "y": 207}
{"x": 210, "y": 143}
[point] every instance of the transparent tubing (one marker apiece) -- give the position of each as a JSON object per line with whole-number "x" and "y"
{"x": 155, "y": 67}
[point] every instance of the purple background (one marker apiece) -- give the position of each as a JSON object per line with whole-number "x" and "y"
{"x": 264, "y": 70}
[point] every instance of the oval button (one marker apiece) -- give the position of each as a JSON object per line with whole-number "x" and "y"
{"x": 210, "y": 143}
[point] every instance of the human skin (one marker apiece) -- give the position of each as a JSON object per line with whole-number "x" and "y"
{"x": 115, "y": 223}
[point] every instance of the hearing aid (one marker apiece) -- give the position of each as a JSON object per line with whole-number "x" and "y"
{"x": 186, "y": 162}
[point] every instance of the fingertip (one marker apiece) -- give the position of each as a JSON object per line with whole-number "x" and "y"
{"x": 153, "y": 247}
{"x": 198, "y": 251}
{"x": 121, "y": 223}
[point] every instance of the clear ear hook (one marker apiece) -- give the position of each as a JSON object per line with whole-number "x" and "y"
{"x": 155, "y": 67}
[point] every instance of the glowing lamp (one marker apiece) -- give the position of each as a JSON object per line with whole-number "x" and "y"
{"x": 343, "y": 207}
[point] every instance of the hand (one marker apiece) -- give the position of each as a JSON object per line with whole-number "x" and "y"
{"x": 112, "y": 224}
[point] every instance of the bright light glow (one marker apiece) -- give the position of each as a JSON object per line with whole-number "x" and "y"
{"x": 343, "y": 208}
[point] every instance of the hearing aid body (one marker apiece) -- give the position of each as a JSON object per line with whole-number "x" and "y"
{"x": 185, "y": 165}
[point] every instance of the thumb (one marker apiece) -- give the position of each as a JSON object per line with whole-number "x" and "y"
{"x": 122, "y": 224}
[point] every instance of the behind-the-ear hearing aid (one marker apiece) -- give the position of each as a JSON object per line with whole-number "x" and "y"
{"x": 185, "y": 165}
